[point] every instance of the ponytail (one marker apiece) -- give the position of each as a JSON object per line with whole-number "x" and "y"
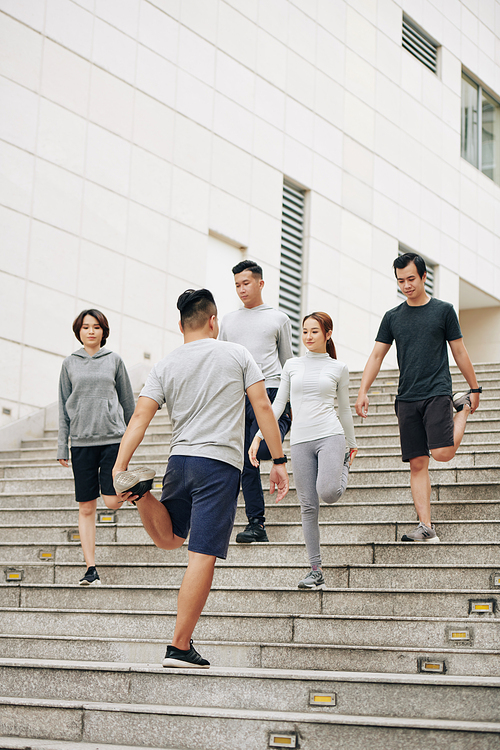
{"x": 326, "y": 324}
{"x": 330, "y": 348}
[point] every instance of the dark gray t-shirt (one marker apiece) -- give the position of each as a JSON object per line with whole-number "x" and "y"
{"x": 421, "y": 334}
{"x": 203, "y": 384}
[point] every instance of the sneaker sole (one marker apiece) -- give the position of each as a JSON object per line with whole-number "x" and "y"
{"x": 90, "y": 583}
{"x": 313, "y": 587}
{"x": 144, "y": 476}
{"x": 434, "y": 540}
{"x": 179, "y": 664}
{"x": 252, "y": 541}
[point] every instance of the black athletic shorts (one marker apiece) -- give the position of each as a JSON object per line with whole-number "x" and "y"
{"x": 424, "y": 425}
{"x": 92, "y": 466}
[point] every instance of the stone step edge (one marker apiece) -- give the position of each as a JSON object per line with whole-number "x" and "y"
{"x": 260, "y": 673}
{"x": 271, "y": 524}
{"x": 266, "y": 468}
{"x": 248, "y": 714}
{"x": 29, "y": 743}
{"x": 283, "y": 504}
{"x": 421, "y": 651}
{"x": 338, "y": 590}
{"x": 233, "y": 615}
{"x": 263, "y": 566}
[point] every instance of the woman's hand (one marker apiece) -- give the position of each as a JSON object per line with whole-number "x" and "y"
{"x": 252, "y": 451}
{"x": 352, "y": 455}
{"x": 63, "y": 462}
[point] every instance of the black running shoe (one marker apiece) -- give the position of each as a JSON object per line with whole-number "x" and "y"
{"x": 189, "y": 659}
{"x": 137, "y": 481}
{"x": 91, "y": 577}
{"x": 254, "y": 532}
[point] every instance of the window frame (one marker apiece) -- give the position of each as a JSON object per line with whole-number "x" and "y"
{"x": 473, "y": 81}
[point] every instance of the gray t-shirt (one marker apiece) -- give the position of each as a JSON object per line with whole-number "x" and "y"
{"x": 266, "y": 333}
{"x": 421, "y": 333}
{"x": 203, "y": 384}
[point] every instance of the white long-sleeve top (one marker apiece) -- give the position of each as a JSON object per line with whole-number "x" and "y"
{"x": 310, "y": 383}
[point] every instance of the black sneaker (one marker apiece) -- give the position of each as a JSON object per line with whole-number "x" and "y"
{"x": 254, "y": 532}
{"x": 189, "y": 659}
{"x": 91, "y": 578}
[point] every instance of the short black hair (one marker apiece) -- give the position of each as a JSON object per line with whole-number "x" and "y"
{"x": 405, "y": 259}
{"x": 101, "y": 319}
{"x": 196, "y": 306}
{"x": 248, "y": 265}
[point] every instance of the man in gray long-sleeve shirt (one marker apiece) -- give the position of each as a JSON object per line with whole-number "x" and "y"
{"x": 267, "y": 334}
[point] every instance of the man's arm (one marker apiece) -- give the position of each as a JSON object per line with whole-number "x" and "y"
{"x": 461, "y": 357}
{"x": 370, "y": 372}
{"x": 267, "y": 422}
{"x": 144, "y": 412}
{"x": 285, "y": 350}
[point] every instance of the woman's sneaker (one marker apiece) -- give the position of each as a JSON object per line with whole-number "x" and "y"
{"x": 137, "y": 481}
{"x": 91, "y": 577}
{"x": 422, "y": 534}
{"x": 189, "y": 659}
{"x": 313, "y": 580}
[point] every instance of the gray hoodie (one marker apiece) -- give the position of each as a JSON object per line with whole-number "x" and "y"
{"x": 95, "y": 400}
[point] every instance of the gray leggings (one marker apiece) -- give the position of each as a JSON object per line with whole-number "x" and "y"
{"x": 319, "y": 472}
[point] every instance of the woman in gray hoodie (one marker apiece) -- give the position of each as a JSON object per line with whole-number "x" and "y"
{"x": 95, "y": 405}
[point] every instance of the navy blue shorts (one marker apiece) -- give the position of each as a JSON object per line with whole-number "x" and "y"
{"x": 92, "y": 467}
{"x": 201, "y": 494}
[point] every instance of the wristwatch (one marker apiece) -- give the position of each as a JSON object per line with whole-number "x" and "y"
{"x": 282, "y": 460}
{"x": 476, "y": 390}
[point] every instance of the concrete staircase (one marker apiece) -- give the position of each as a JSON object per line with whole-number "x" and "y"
{"x": 403, "y": 646}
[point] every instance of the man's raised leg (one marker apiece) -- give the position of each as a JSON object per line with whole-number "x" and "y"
{"x": 157, "y": 522}
{"x": 459, "y": 423}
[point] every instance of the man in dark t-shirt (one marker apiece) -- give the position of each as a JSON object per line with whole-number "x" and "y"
{"x": 421, "y": 327}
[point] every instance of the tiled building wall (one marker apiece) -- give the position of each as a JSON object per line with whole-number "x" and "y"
{"x": 132, "y": 128}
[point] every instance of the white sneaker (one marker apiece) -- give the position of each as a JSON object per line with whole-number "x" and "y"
{"x": 422, "y": 534}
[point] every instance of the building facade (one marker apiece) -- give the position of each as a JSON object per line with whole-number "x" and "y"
{"x": 148, "y": 145}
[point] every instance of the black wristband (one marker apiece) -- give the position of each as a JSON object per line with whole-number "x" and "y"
{"x": 282, "y": 460}
{"x": 476, "y": 390}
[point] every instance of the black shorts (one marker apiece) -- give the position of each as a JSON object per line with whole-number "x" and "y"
{"x": 92, "y": 466}
{"x": 201, "y": 494}
{"x": 424, "y": 425}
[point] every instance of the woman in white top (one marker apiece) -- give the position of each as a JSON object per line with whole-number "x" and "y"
{"x": 323, "y": 446}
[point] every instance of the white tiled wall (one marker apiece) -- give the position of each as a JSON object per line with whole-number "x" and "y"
{"x": 131, "y": 130}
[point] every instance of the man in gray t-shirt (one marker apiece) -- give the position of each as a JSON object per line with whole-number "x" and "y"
{"x": 267, "y": 334}
{"x": 203, "y": 384}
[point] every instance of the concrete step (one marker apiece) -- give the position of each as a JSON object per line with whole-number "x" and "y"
{"x": 273, "y": 553}
{"x": 355, "y": 630}
{"x": 219, "y": 729}
{"x": 374, "y": 511}
{"x": 470, "y": 492}
{"x": 417, "y": 695}
{"x": 390, "y": 427}
{"x": 397, "y": 600}
{"x": 331, "y": 531}
{"x": 371, "y": 575}
{"x": 388, "y": 415}
{"x": 398, "y": 475}
{"x": 405, "y": 660}
{"x": 442, "y": 474}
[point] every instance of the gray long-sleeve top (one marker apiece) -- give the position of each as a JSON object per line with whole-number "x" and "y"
{"x": 266, "y": 333}
{"x": 95, "y": 400}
